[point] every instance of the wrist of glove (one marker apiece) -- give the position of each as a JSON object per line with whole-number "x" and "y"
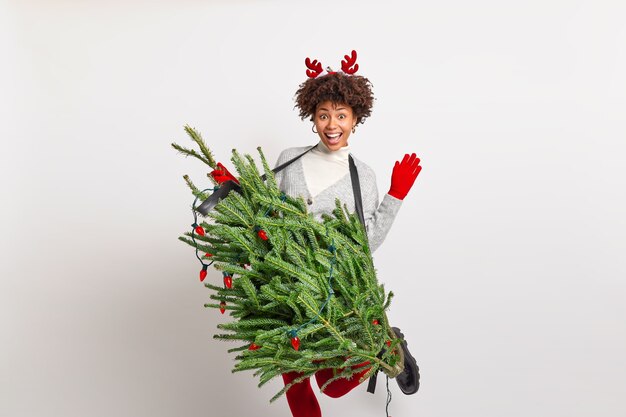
{"x": 404, "y": 175}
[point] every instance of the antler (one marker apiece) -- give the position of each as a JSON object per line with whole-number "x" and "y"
{"x": 314, "y": 68}
{"x": 349, "y": 62}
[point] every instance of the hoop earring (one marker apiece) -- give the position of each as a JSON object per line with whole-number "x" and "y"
{"x": 354, "y": 129}
{"x": 313, "y": 129}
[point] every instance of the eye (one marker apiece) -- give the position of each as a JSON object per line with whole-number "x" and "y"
{"x": 342, "y": 116}
{"x": 323, "y": 116}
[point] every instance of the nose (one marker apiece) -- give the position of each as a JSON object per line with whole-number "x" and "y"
{"x": 332, "y": 122}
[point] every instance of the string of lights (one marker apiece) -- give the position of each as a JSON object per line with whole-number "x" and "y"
{"x": 228, "y": 283}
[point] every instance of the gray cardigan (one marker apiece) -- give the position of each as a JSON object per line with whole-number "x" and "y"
{"x": 378, "y": 218}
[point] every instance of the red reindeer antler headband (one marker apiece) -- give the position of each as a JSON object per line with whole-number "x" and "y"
{"x": 348, "y": 66}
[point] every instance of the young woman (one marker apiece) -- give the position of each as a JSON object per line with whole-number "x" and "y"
{"x": 336, "y": 102}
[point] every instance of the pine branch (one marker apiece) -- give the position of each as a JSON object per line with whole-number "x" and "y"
{"x": 294, "y": 382}
{"x": 328, "y": 325}
{"x": 346, "y": 373}
{"x": 241, "y": 204}
{"x": 269, "y": 173}
{"x": 191, "y": 152}
{"x": 194, "y": 190}
{"x": 250, "y": 290}
{"x": 233, "y": 233}
{"x": 251, "y": 323}
{"x": 287, "y": 207}
{"x": 290, "y": 270}
{"x": 291, "y": 302}
{"x": 388, "y": 302}
{"x": 228, "y": 208}
{"x": 255, "y": 175}
{"x": 196, "y": 137}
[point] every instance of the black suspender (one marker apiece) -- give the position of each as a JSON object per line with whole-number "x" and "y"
{"x": 228, "y": 186}
{"x": 291, "y": 161}
{"x": 356, "y": 190}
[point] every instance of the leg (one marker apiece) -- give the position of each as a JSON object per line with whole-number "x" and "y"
{"x": 342, "y": 386}
{"x": 301, "y": 398}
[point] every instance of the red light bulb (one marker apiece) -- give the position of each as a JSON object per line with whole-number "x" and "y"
{"x": 295, "y": 342}
{"x": 203, "y": 273}
{"x": 228, "y": 281}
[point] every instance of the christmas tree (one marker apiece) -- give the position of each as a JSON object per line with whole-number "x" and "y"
{"x": 303, "y": 294}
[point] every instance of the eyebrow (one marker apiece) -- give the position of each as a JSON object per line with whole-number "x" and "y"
{"x": 336, "y": 108}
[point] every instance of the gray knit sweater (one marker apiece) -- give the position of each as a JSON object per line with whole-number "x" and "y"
{"x": 378, "y": 217}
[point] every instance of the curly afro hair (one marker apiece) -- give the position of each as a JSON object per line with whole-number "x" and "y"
{"x": 340, "y": 88}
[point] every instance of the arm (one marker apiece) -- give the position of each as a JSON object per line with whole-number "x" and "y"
{"x": 378, "y": 217}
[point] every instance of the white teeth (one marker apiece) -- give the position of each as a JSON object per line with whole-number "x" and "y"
{"x": 334, "y": 135}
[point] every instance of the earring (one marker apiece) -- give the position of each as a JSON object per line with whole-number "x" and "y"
{"x": 354, "y": 129}
{"x": 313, "y": 129}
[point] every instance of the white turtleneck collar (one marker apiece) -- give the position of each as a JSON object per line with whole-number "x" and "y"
{"x": 340, "y": 155}
{"x": 323, "y": 167}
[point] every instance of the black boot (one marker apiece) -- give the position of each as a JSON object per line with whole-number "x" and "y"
{"x": 409, "y": 379}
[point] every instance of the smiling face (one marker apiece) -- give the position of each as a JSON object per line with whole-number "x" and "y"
{"x": 334, "y": 122}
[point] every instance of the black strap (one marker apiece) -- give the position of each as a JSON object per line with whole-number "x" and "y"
{"x": 358, "y": 205}
{"x": 225, "y": 188}
{"x": 356, "y": 190}
{"x": 228, "y": 186}
{"x": 286, "y": 164}
{"x": 371, "y": 385}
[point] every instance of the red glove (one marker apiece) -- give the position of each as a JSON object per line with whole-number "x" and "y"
{"x": 221, "y": 174}
{"x": 404, "y": 175}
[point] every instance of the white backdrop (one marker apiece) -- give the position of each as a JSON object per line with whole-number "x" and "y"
{"x": 507, "y": 257}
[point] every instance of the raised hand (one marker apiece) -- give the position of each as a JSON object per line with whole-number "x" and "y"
{"x": 404, "y": 175}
